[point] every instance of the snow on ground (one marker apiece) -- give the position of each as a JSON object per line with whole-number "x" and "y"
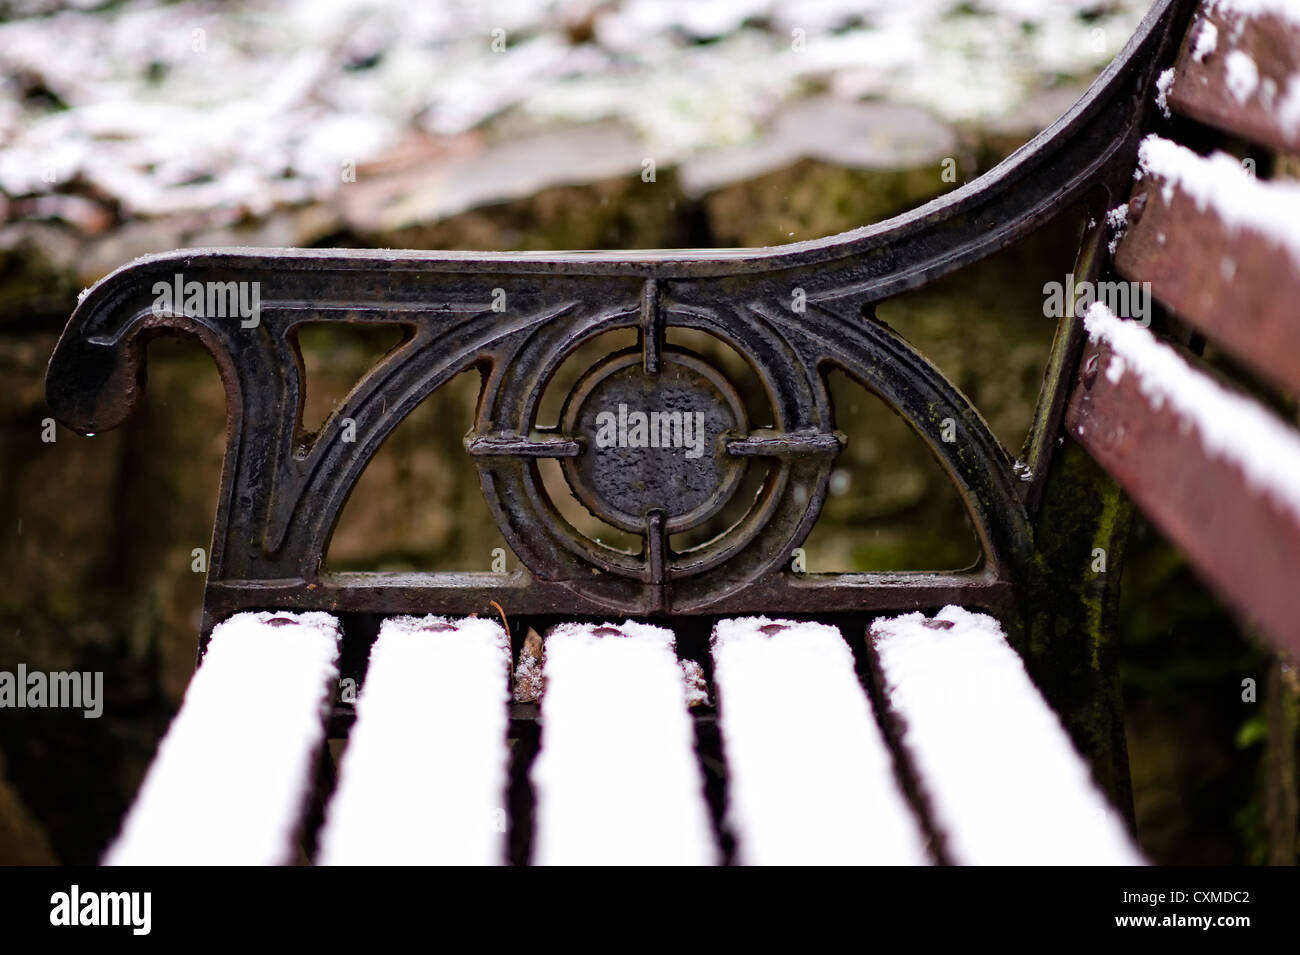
{"x": 229, "y": 781}
{"x": 616, "y": 779}
{"x": 424, "y": 778}
{"x": 189, "y": 105}
{"x": 1004, "y": 781}
{"x": 1231, "y": 426}
{"x": 810, "y": 778}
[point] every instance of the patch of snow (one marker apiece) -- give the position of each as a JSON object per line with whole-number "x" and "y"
{"x": 1207, "y": 40}
{"x": 1164, "y": 83}
{"x": 231, "y": 777}
{"x": 810, "y": 778}
{"x": 1220, "y": 183}
{"x": 1004, "y": 781}
{"x": 613, "y": 787}
{"x": 1242, "y": 76}
{"x": 424, "y": 777}
{"x": 697, "y": 690}
{"x": 1231, "y": 427}
{"x": 1117, "y": 219}
{"x": 1286, "y": 9}
{"x": 1288, "y": 111}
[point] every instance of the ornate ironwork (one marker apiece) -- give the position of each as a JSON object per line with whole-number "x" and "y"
{"x": 516, "y": 317}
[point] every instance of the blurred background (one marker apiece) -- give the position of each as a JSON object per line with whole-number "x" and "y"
{"x": 128, "y": 128}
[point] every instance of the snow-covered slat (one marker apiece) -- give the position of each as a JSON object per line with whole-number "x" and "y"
{"x": 1212, "y": 468}
{"x": 1240, "y": 70}
{"x": 424, "y": 776}
{"x": 810, "y": 779}
{"x": 616, "y": 780}
{"x": 232, "y": 776}
{"x": 1001, "y": 778}
{"x": 1219, "y": 247}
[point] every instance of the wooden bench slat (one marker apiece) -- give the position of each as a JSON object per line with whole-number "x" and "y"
{"x": 424, "y": 776}
{"x": 231, "y": 777}
{"x": 1216, "y": 472}
{"x": 1003, "y": 782}
{"x": 1222, "y": 250}
{"x": 616, "y": 779}
{"x": 1235, "y": 73}
{"x": 810, "y": 779}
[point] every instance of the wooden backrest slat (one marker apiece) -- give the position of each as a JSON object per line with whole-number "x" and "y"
{"x": 1215, "y": 245}
{"x": 1235, "y": 71}
{"x": 1211, "y": 468}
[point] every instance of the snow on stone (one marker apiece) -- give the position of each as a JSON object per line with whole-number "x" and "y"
{"x": 810, "y": 778}
{"x": 1004, "y": 782}
{"x": 1242, "y": 76}
{"x": 616, "y": 779}
{"x": 1222, "y": 184}
{"x": 186, "y": 106}
{"x": 424, "y": 776}
{"x": 1164, "y": 83}
{"x": 232, "y": 775}
{"x": 1207, "y": 40}
{"x": 1231, "y": 426}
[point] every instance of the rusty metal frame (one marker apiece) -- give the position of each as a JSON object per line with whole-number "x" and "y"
{"x": 282, "y": 490}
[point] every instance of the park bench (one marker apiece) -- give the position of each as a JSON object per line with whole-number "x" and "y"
{"x": 714, "y": 704}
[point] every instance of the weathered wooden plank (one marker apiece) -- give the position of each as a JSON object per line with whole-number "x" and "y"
{"x": 1236, "y": 71}
{"x": 1222, "y": 250}
{"x": 998, "y": 773}
{"x": 617, "y": 783}
{"x": 231, "y": 777}
{"x": 423, "y": 779}
{"x": 1218, "y": 474}
{"x": 810, "y": 779}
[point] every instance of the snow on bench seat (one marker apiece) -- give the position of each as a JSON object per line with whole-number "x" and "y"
{"x": 424, "y": 776}
{"x": 232, "y": 776}
{"x": 1003, "y": 782}
{"x": 810, "y": 779}
{"x": 616, "y": 779}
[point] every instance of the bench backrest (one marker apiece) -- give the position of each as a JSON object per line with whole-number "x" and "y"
{"x": 1220, "y": 248}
